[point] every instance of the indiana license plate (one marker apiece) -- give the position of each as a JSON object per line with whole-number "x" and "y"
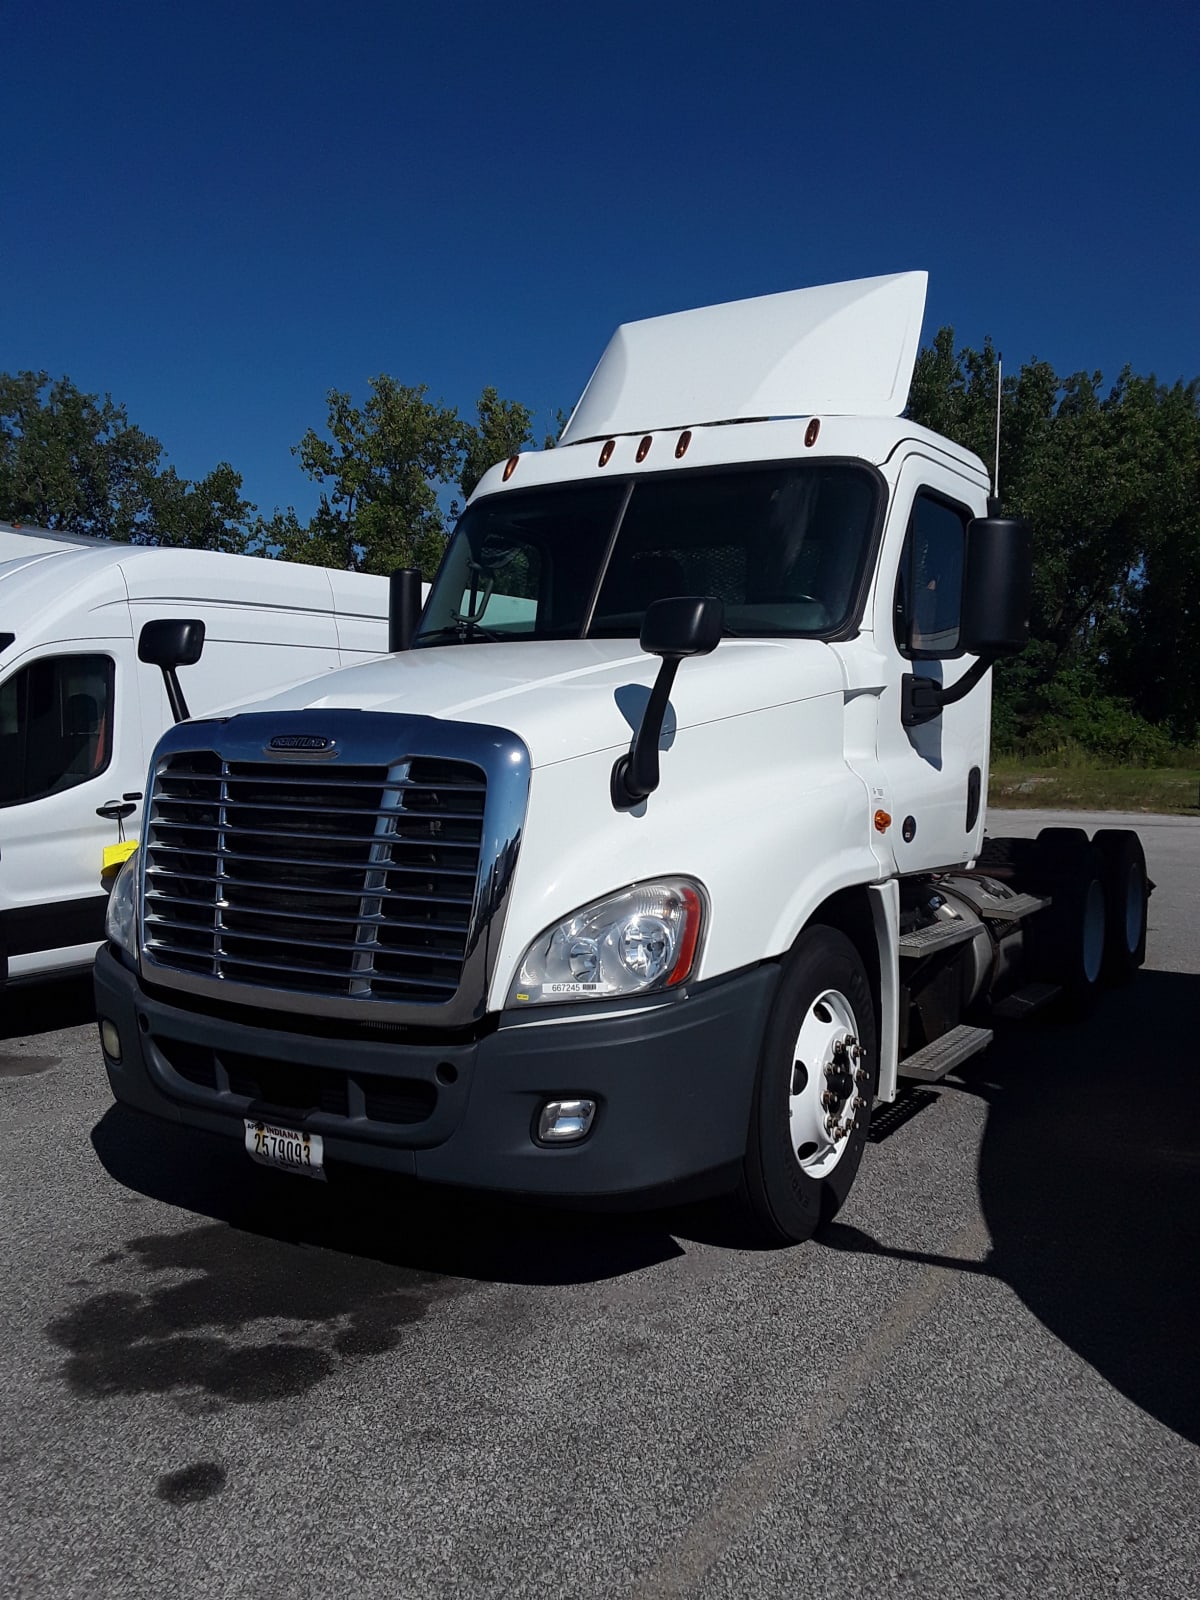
{"x": 285, "y": 1148}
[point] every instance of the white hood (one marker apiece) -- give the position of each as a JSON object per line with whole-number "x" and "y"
{"x": 568, "y": 698}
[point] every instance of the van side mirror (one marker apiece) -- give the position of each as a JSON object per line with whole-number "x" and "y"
{"x": 404, "y": 608}
{"x": 997, "y": 586}
{"x": 672, "y": 629}
{"x": 167, "y": 643}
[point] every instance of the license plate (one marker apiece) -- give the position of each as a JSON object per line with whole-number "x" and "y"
{"x": 285, "y": 1148}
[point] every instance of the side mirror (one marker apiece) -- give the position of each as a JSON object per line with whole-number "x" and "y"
{"x": 167, "y": 643}
{"x": 404, "y": 608}
{"x": 996, "y": 596}
{"x": 672, "y": 629}
{"x": 683, "y": 627}
{"x": 997, "y": 586}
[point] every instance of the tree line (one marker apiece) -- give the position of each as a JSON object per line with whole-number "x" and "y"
{"x": 1108, "y": 475}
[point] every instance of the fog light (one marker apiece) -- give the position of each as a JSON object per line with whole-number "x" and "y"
{"x": 110, "y": 1038}
{"x": 562, "y": 1121}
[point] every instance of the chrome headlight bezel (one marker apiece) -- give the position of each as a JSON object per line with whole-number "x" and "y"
{"x": 643, "y": 939}
{"x": 121, "y": 913}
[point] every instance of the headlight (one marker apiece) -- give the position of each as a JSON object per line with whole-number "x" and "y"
{"x": 120, "y": 920}
{"x": 642, "y": 939}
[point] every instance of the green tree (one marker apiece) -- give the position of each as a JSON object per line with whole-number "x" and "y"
{"x": 380, "y": 469}
{"x": 390, "y": 471}
{"x": 503, "y": 429}
{"x": 1109, "y": 479}
{"x": 74, "y": 461}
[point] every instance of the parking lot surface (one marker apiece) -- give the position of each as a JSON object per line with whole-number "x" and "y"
{"x": 982, "y": 1379}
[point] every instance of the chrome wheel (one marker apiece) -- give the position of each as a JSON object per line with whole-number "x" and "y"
{"x": 827, "y": 1084}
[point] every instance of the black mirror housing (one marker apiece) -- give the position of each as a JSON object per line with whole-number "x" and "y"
{"x": 997, "y": 586}
{"x": 171, "y": 642}
{"x": 688, "y": 626}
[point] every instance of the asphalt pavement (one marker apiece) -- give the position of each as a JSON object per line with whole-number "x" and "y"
{"x": 981, "y": 1381}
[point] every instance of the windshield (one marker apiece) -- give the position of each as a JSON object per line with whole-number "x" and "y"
{"x": 783, "y": 546}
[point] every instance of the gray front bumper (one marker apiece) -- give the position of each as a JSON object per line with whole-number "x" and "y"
{"x": 673, "y": 1086}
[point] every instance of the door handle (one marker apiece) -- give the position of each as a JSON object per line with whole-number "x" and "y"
{"x": 116, "y": 810}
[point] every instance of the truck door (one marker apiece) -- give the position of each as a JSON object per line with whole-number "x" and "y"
{"x": 936, "y": 772}
{"x": 67, "y": 746}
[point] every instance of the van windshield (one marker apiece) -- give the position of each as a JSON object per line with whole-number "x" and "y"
{"x": 783, "y": 546}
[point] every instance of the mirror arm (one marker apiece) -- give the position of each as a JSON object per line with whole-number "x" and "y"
{"x": 922, "y": 699}
{"x": 637, "y": 775}
{"x": 179, "y": 708}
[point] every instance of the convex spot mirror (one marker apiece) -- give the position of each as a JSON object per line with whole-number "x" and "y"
{"x": 997, "y": 586}
{"x": 171, "y": 642}
{"x": 167, "y": 643}
{"x": 687, "y": 626}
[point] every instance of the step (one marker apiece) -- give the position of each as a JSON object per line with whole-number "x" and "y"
{"x": 1021, "y": 905}
{"x": 1024, "y": 1002}
{"x": 937, "y": 936}
{"x": 931, "y": 1064}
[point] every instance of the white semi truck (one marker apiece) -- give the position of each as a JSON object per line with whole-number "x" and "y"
{"x": 657, "y": 858}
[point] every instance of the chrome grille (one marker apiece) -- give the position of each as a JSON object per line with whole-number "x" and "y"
{"x": 354, "y": 881}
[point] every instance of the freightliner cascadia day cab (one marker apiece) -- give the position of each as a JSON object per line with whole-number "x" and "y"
{"x": 659, "y": 856}
{"x": 80, "y": 712}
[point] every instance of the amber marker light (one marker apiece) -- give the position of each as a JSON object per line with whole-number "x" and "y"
{"x": 510, "y": 466}
{"x": 883, "y": 821}
{"x": 643, "y": 450}
{"x": 811, "y": 432}
{"x": 606, "y": 453}
{"x": 685, "y": 439}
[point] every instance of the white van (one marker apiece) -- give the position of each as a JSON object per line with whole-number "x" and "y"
{"x": 80, "y": 714}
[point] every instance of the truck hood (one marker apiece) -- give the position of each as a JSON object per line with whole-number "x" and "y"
{"x": 568, "y": 698}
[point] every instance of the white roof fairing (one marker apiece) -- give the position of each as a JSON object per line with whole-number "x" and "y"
{"x": 842, "y": 349}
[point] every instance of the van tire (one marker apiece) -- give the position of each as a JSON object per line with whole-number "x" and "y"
{"x": 823, "y": 1010}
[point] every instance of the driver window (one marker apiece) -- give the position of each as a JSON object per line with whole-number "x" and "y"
{"x": 55, "y": 726}
{"x": 929, "y": 584}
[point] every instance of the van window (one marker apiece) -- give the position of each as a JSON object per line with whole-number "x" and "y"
{"x": 56, "y": 719}
{"x": 929, "y": 585}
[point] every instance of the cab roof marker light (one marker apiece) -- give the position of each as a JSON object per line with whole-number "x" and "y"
{"x": 510, "y": 466}
{"x": 685, "y": 439}
{"x": 606, "y": 453}
{"x": 643, "y": 449}
{"x": 811, "y": 432}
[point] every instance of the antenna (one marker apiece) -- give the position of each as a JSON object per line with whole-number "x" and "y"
{"x": 996, "y": 459}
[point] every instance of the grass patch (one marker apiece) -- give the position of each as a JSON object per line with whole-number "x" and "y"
{"x": 1084, "y": 786}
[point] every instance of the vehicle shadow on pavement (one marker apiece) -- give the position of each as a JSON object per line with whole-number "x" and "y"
{"x": 436, "y": 1230}
{"x": 284, "y": 1282}
{"x": 1089, "y": 1181}
{"x": 47, "y": 1007}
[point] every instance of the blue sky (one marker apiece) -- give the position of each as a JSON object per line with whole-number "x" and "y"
{"x": 217, "y": 211}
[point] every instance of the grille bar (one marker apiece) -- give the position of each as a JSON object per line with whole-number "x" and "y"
{"x": 302, "y": 888}
{"x": 331, "y": 895}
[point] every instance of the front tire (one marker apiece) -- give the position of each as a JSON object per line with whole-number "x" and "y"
{"x": 816, "y": 1083}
